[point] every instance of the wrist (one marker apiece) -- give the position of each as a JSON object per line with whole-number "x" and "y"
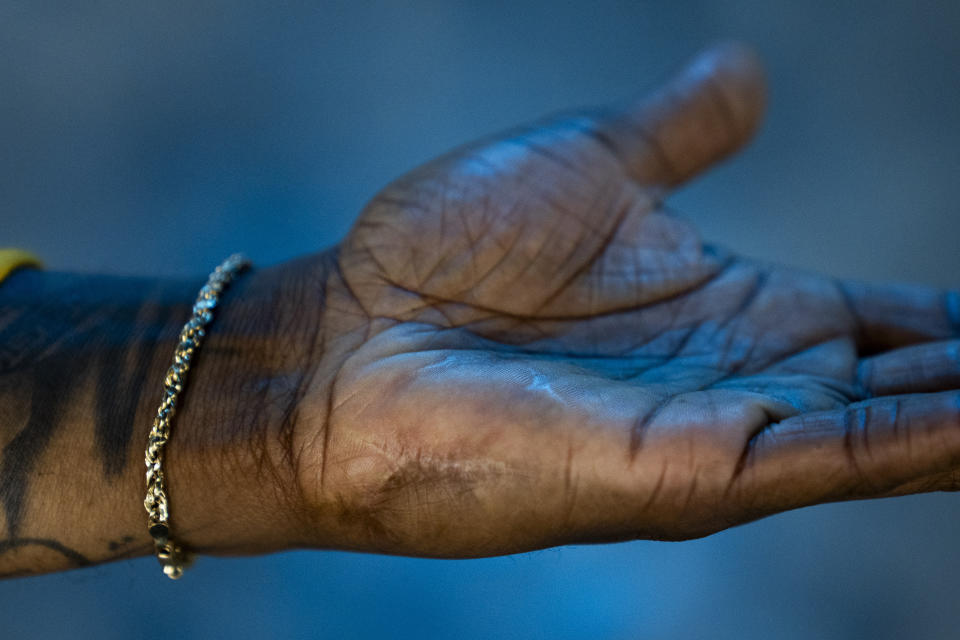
{"x": 82, "y": 360}
{"x": 262, "y": 380}
{"x": 228, "y": 467}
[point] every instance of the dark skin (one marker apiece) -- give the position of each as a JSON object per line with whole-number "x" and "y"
{"x": 515, "y": 347}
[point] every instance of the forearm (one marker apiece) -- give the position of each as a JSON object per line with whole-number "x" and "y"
{"x": 81, "y": 364}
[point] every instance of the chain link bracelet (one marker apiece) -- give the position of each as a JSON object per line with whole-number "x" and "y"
{"x": 171, "y": 555}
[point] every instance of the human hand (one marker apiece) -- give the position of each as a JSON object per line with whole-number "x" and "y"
{"x": 515, "y": 347}
{"x": 522, "y": 348}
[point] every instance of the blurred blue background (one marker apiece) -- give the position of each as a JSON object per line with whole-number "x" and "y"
{"x": 156, "y": 138}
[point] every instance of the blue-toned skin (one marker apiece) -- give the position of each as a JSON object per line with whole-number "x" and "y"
{"x": 518, "y": 346}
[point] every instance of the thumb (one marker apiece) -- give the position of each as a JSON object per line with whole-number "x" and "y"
{"x": 709, "y": 110}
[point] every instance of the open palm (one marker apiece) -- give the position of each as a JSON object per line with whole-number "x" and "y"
{"x": 543, "y": 355}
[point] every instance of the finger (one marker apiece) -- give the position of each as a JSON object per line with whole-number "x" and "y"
{"x": 945, "y": 481}
{"x": 895, "y": 315}
{"x": 869, "y": 449}
{"x": 922, "y": 368}
{"x": 708, "y": 111}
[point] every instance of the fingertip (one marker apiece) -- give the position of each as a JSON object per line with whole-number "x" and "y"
{"x": 734, "y": 70}
{"x": 707, "y": 111}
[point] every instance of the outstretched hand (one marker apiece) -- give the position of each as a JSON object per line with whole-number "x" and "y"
{"x": 521, "y": 349}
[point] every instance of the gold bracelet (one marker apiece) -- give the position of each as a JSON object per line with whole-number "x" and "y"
{"x": 171, "y": 555}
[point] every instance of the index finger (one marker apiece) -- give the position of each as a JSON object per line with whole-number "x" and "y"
{"x": 889, "y": 316}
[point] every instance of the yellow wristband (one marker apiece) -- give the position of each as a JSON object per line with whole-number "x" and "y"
{"x": 13, "y": 259}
